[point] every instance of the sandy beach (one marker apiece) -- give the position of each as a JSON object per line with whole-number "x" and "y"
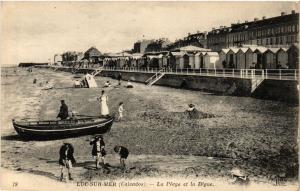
{"x": 257, "y": 136}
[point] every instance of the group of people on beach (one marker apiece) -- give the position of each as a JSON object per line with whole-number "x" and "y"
{"x": 66, "y": 153}
{"x": 67, "y": 160}
{"x": 104, "y": 110}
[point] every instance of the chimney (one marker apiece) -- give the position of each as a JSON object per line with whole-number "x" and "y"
{"x": 246, "y": 21}
{"x": 293, "y": 12}
{"x": 255, "y": 19}
{"x": 198, "y": 31}
{"x": 264, "y": 17}
{"x": 189, "y": 34}
{"x": 213, "y": 28}
{"x": 282, "y": 13}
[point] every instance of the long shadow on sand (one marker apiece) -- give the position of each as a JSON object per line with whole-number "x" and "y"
{"x": 13, "y": 138}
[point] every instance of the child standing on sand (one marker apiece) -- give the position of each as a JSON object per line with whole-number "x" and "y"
{"x": 123, "y": 152}
{"x": 98, "y": 150}
{"x": 121, "y": 110}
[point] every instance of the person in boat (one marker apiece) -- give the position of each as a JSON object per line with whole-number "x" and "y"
{"x": 103, "y": 104}
{"x": 123, "y": 153}
{"x": 98, "y": 151}
{"x": 66, "y": 160}
{"x": 119, "y": 78}
{"x": 192, "y": 111}
{"x": 121, "y": 110}
{"x": 129, "y": 84}
{"x": 63, "y": 111}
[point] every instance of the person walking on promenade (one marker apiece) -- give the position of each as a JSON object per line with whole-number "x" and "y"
{"x": 119, "y": 78}
{"x": 63, "y": 111}
{"x": 66, "y": 159}
{"x": 121, "y": 110}
{"x": 98, "y": 151}
{"x": 123, "y": 153}
{"x": 103, "y": 104}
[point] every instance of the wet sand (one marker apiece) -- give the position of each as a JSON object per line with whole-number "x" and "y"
{"x": 257, "y": 136}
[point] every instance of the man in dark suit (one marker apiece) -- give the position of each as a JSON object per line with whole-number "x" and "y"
{"x": 66, "y": 159}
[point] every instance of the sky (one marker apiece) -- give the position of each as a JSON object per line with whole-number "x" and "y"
{"x": 35, "y": 31}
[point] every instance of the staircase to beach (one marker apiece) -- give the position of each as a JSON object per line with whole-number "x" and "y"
{"x": 97, "y": 71}
{"x": 157, "y": 76}
{"x": 255, "y": 83}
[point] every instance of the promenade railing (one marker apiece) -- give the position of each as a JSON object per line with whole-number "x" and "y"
{"x": 276, "y": 74}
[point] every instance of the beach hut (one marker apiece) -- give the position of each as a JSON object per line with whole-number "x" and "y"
{"x": 261, "y": 61}
{"x": 165, "y": 60}
{"x": 197, "y": 60}
{"x": 181, "y": 59}
{"x": 222, "y": 57}
{"x": 293, "y": 57}
{"x": 160, "y": 60}
{"x": 282, "y": 58}
{"x": 270, "y": 58}
{"x": 211, "y": 59}
{"x": 201, "y": 56}
{"x": 231, "y": 57}
{"x": 241, "y": 58}
{"x": 251, "y": 58}
{"x": 191, "y": 60}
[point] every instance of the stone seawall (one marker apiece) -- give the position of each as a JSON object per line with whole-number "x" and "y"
{"x": 219, "y": 85}
{"x": 282, "y": 90}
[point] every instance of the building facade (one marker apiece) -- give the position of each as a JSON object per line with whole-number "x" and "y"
{"x": 140, "y": 46}
{"x": 197, "y": 39}
{"x": 277, "y": 31}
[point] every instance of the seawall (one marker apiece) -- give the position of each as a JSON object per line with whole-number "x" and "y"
{"x": 281, "y": 90}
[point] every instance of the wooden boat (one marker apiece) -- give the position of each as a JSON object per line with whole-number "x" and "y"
{"x": 56, "y": 129}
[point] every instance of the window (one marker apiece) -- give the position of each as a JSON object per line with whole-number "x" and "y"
{"x": 281, "y": 40}
{"x": 271, "y": 41}
{"x": 293, "y": 28}
{"x": 267, "y": 43}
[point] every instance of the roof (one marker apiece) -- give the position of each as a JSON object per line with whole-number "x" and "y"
{"x": 261, "y": 49}
{"x": 243, "y": 50}
{"x": 234, "y": 50}
{"x": 93, "y": 51}
{"x": 192, "y": 48}
{"x": 137, "y": 56}
{"x": 178, "y": 54}
{"x": 272, "y": 50}
{"x": 283, "y": 49}
{"x": 225, "y": 50}
{"x": 211, "y": 54}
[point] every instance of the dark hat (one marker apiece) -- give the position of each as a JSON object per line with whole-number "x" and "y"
{"x": 191, "y": 105}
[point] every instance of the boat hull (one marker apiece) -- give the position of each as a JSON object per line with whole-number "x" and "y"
{"x": 63, "y": 129}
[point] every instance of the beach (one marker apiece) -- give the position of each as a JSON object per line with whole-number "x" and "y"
{"x": 257, "y": 136}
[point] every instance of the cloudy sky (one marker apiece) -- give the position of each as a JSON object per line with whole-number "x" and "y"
{"x": 35, "y": 31}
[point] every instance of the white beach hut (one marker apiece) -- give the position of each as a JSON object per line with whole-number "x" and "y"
{"x": 211, "y": 60}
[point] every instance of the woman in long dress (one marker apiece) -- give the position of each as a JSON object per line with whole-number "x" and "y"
{"x": 103, "y": 104}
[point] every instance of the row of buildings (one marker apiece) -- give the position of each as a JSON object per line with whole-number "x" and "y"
{"x": 280, "y": 31}
{"x": 267, "y": 43}
{"x": 244, "y": 57}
